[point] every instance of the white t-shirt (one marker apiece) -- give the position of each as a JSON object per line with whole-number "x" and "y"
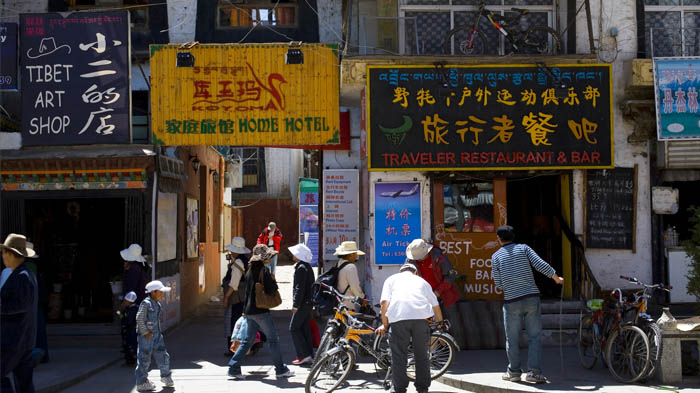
{"x": 409, "y": 297}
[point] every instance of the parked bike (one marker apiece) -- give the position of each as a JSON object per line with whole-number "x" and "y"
{"x": 624, "y": 347}
{"x": 469, "y": 40}
{"x": 645, "y": 322}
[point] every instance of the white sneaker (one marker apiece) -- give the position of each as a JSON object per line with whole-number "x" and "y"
{"x": 168, "y": 381}
{"x": 145, "y": 387}
{"x": 286, "y": 374}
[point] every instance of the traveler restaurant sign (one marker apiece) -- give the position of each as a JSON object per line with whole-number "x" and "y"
{"x": 245, "y": 95}
{"x": 489, "y": 117}
{"x": 676, "y": 86}
{"x": 75, "y": 78}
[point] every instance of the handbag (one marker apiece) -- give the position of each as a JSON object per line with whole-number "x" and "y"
{"x": 263, "y": 299}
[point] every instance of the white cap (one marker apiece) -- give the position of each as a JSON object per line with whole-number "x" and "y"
{"x": 156, "y": 286}
{"x": 131, "y": 296}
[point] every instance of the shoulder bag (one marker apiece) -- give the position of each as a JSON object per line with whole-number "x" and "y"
{"x": 262, "y": 299}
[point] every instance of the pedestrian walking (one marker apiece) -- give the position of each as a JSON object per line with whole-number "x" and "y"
{"x": 511, "y": 271}
{"x": 258, "y": 319}
{"x": 127, "y": 319}
{"x": 348, "y": 278}
{"x": 271, "y": 237}
{"x": 150, "y": 340}
{"x": 299, "y": 326}
{"x": 135, "y": 272}
{"x": 407, "y": 302}
{"x": 18, "y": 324}
{"x": 234, "y": 285}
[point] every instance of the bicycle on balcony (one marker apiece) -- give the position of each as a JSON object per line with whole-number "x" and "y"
{"x": 469, "y": 40}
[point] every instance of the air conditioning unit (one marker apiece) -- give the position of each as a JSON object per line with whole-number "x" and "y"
{"x": 171, "y": 167}
{"x": 233, "y": 178}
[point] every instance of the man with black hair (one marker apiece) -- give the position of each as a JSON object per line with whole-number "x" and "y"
{"x": 511, "y": 272}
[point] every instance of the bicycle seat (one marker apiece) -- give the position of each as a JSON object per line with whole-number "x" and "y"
{"x": 520, "y": 10}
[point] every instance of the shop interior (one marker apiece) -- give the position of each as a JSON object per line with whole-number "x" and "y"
{"x": 78, "y": 241}
{"x": 532, "y": 210}
{"x": 677, "y": 226}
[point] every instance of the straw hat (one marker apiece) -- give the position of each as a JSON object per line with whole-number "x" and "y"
{"x": 133, "y": 254}
{"x": 18, "y": 244}
{"x": 418, "y": 249}
{"x": 347, "y": 248}
{"x": 237, "y": 246}
{"x": 261, "y": 252}
{"x": 302, "y": 252}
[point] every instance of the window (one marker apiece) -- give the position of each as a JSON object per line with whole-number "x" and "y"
{"x": 138, "y": 15}
{"x": 249, "y": 13}
{"x": 435, "y": 18}
{"x": 672, "y": 27}
{"x": 250, "y": 157}
{"x": 468, "y": 207}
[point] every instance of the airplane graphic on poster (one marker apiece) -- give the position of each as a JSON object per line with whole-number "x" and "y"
{"x": 400, "y": 193}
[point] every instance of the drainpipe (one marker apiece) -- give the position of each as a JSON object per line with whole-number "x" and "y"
{"x": 154, "y": 214}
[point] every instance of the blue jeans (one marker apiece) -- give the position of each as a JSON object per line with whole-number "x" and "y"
{"x": 264, "y": 323}
{"x": 155, "y": 346}
{"x": 513, "y": 314}
{"x": 272, "y": 265}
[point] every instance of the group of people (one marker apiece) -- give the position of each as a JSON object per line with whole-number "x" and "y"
{"x": 408, "y": 299}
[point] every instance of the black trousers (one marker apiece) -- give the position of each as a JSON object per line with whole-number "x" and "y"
{"x": 301, "y": 331}
{"x": 22, "y": 374}
{"x": 402, "y": 334}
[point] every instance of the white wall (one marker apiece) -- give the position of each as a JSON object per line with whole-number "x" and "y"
{"x": 607, "y": 265}
{"x": 330, "y": 21}
{"x": 182, "y": 20}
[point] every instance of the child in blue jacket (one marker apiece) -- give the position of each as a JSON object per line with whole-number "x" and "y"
{"x": 150, "y": 339}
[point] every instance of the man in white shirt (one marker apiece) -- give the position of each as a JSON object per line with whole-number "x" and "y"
{"x": 407, "y": 302}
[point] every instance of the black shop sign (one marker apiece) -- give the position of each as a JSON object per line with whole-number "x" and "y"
{"x": 489, "y": 117}
{"x": 75, "y": 78}
{"x": 8, "y": 56}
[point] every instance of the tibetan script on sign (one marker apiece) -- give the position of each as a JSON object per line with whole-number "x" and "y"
{"x": 478, "y": 117}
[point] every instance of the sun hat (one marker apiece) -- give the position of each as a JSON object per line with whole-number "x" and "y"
{"x": 408, "y": 266}
{"x": 302, "y": 252}
{"x": 133, "y": 254}
{"x": 18, "y": 244}
{"x": 238, "y": 246}
{"x": 156, "y": 286}
{"x": 261, "y": 252}
{"x": 418, "y": 249}
{"x": 130, "y": 297}
{"x": 347, "y": 248}
{"x": 271, "y": 226}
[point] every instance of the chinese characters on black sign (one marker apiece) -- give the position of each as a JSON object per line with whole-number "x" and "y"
{"x": 75, "y": 78}
{"x": 8, "y": 56}
{"x": 505, "y": 117}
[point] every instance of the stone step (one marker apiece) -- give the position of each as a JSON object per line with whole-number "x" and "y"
{"x": 568, "y": 321}
{"x": 567, "y": 306}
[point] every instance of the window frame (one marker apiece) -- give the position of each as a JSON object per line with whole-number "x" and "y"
{"x": 678, "y": 8}
{"x": 256, "y": 5}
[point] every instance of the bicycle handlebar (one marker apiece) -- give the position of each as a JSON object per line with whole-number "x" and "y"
{"x": 636, "y": 281}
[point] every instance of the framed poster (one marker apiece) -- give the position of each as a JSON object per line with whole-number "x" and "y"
{"x": 397, "y": 220}
{"x": 167, "y": 226}
{"x": 192, "y": 228}
{"x": 676, "y": 86}
{"x": 341, "y": 209}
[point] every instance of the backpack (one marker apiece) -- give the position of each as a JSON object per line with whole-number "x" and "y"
{"x": 325, "y": 302}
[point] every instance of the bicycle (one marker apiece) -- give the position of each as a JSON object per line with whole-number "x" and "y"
{"x": 645, "y": 322}
{"x": 469, "y": 40}
{"x": 624, "y": 347}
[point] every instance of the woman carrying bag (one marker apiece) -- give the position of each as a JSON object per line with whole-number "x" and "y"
{"x": 261, "y": 294}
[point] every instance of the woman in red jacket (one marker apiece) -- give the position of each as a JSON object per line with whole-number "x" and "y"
{"x": 271, "y": 237}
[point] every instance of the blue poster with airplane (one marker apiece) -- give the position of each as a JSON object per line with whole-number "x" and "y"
{"x": 397, "y": 220}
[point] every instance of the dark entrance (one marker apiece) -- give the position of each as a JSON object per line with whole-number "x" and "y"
{"x": 533, "y": 206}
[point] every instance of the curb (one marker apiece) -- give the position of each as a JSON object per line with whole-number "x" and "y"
{"x": 455, "y": 382}
{"x": 62, "y": 385}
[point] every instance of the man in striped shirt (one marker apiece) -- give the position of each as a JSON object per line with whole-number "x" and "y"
{"x": 511, "y": 272}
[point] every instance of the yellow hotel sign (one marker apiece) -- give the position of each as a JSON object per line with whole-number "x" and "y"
{"x": 245, "y": 95}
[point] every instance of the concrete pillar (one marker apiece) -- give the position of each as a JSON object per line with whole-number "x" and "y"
{"x": 671, "y": 370}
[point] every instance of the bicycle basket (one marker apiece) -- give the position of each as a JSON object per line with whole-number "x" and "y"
{"x": 595, "y": 304}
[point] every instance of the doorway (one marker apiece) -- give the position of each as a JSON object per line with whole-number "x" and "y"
{"x": 533, "y": 205}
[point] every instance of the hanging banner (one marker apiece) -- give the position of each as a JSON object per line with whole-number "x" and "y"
{"x": 76, "y": 72}
{"x": 397, "y": 220}
{"x": 488, "y": 117}
{"x": 245, "y": 95}
{"x": 676, "y": 86}
{"x": 308, "y": 216}
{"x": 341, "y": 209}
{"x": 8, "y": 56}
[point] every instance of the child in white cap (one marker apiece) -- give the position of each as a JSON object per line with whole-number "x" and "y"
{"x": 127, "y": 317}
{"x": 150, "y": 339}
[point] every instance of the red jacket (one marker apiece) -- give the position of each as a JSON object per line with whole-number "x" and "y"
{"x": 431, "y": 269}
{"x": 276, "y": 238}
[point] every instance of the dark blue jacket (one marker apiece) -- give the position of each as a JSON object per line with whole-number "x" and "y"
{"x": 303, "y": 280}
{"x": 18, "y": 307}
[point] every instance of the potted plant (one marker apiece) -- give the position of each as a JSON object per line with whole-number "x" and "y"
{"x": 116, "y": 284}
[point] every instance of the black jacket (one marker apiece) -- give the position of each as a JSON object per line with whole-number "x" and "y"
{"x": 251, "y": 277}
{"x": 303, "y": 279}
{"x": 18, "y": 308}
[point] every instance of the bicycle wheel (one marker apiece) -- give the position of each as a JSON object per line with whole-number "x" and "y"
{"x": 653, "y": 332}
{"x": 541, "y": 40}
{"x": 327, "y": 341}
{"x": 588, "y": 351}
{"x": 441, "y": 355}
{"x": 331, "y": 370}
{"x": 467, "y": 41}
{"x": 627, "y": 354}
